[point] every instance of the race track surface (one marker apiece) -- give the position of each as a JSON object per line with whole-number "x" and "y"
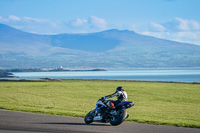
{"x": 20, "y": 122}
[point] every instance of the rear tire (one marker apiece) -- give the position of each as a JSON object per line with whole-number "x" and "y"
{"x": 89, "y": 117}
{"x": 119, "y": 118}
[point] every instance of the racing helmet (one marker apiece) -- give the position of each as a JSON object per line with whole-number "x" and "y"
{"x": 111, "y": 105}
{"x": 120, "y": 88}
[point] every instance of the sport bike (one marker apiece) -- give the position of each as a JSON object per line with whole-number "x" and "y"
{"x": 105, "y": 112}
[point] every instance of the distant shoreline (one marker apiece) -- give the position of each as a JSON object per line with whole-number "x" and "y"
{"x": 46, "y": 70}
{"x": 8, "y": 73}
{"x": 59, "y": 80}
{"x": 169, "y": 75}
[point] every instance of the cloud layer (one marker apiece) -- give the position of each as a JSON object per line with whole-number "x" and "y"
{"x": 178, "y": 24}
{"x": 43, "y": 26}
{"x": 178, "y": 29}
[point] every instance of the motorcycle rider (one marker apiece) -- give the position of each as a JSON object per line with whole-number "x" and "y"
{"x": 119, "y": 93}
{"x": 121, "y": 97}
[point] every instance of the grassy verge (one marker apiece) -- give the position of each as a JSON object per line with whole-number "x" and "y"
{"x": 173, "y": 104}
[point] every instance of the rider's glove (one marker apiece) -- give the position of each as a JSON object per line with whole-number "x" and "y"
{"x": 103, "y": 99}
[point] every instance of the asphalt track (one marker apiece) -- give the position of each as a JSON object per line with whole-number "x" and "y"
{"x": 20, "y": 122}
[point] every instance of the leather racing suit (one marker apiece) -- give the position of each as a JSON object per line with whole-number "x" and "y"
{"x": 121, "y": 97}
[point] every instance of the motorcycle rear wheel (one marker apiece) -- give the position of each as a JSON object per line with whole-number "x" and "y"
{"x": 119, "y": 118}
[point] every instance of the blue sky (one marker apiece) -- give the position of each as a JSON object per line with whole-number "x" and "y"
{"x": 177, "y": 20}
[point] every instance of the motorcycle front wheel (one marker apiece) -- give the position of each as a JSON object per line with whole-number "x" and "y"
{"x": 89, "y": 117}
{"x": 119, "y": 118}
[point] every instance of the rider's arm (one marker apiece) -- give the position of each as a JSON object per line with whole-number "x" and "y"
{"x": 112, "y": 95}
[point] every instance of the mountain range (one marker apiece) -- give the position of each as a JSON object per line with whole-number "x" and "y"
{"x": 113, "y": 48}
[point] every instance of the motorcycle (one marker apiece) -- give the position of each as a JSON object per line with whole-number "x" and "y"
{"x": 105, "y": 112}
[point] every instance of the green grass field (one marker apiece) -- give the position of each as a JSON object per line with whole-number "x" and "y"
{"x": 174, "y": 104}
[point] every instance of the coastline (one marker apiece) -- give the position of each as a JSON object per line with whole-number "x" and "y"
{"x": 48, "y": 70}
{"x": 60, "y": 80}
{"x": 146, "y": 75}
{"x": 6, "y": 75}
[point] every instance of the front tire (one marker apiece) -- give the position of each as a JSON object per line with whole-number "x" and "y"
{"x": 89, "y": 117}
{"x": 119, "y": 118}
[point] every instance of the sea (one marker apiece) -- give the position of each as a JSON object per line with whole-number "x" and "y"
{"x": 139, "y": 74}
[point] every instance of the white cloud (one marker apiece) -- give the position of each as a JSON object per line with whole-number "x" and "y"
{"x": 179, "y": 24}
{"x": 33, "y": 25}
{"x": 1, "y": 18}
{"x": 86, "y": 25}
{"x": 34, "y": 19}
{"x": 13, "y": 18}
{"x": 97, "y": 22}
{"x": 43, "y": 26}
{"x": 181, "y": 30}
{"x": 79, "y": 22}
{"x": 187, "y": 25}
{"x": 157, "y": 27}
{"x": 16, "y": 19}
{"x": 92, "y": 22}
{"x": 185, "y": 37}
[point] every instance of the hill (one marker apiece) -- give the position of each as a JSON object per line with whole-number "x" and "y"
{"x": 107, "y": 49}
